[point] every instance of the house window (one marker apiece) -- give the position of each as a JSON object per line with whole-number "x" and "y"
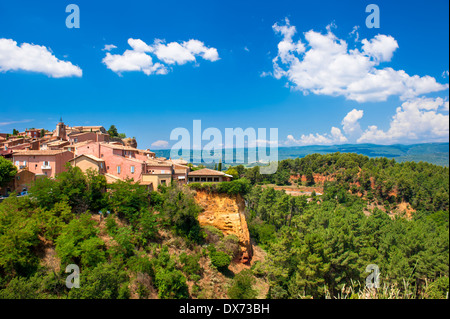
{"x": 118, "y": 169}
{"x": 216, "y": 179}
{"x": 17, "y": 163}
{"x": 24, "y": 163}
{"x": 163, "y": 171}
{"x": 132, "y": 169}
{"x": 101, "y": 165}
{"x": 209, "y": 179}
{"x": 197, "y": 179}
{"x": 203, "y": 179}
{"x": 45, "y": 163}
{"x": 190, "y": 179}
{"x": 163, "y": 182}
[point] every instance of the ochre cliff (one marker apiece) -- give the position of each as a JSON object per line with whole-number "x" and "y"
{"x": 226, "y": 213}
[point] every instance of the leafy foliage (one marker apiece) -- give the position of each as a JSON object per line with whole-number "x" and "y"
{"x": 7, "y": 171}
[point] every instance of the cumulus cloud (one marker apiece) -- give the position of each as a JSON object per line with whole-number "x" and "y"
{"x": 334, "y": 137}
{"x": 132, "y": 60}
{"x": 34, "y": 58}
{"x": 181, "y": 53}
{"x": 324, "y": 65}
{"x": 140, "y": 57}
{"x": 350, "y": 123}
{"x": 415, "y": 120}
{"x": 160, "y": 144}
{"x": 381, "y": 48}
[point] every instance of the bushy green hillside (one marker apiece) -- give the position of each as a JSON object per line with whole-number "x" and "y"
{"x": 131, "y": 243}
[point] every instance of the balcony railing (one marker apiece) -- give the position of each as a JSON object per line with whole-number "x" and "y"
{"x": 46, "y": 167}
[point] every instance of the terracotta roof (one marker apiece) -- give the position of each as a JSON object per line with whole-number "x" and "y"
{"x": 95, "y": 158}
{"x": 40, "y": 152}
{"x": 57, "y": 142}
{"x": 154, "y": 162}
{"x": 84, "y": 128}
{"x": 120, "y": 147}
{"x": 179, "y": 161}
{"x": 207, "y": 172}
{"x": 111, "y": 178}
{"x": 79, "y": 144}
{"x": 73, "y": 134}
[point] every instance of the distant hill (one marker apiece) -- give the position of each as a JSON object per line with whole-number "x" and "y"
{"x": 435, "y": 153}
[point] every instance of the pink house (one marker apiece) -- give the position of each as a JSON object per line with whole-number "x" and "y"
{"x": 88, "y": 136}
{"x": 43, "y": 162}
{"x": 120, "y": 161}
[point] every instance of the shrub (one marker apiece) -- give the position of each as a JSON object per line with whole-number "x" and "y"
{"x": 219, "y": 259}
{"x": 191, "y": 266}
{"x": 171, "y": 284}
{"x": 106, "y": 281}
{"x": 242, "y": 286}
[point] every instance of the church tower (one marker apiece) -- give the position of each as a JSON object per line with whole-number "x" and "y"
{"x": 60, "y": 131}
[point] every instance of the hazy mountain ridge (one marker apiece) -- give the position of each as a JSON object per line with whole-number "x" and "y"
{"x": 434, "y": 153}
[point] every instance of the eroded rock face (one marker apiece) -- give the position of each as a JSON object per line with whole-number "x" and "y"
{"x": 226, "y": 213}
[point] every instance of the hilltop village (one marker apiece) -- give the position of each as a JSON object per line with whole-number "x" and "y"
{"x": 39, "y": 153}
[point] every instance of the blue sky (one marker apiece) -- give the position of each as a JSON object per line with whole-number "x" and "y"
{"x": 257, "y": 64}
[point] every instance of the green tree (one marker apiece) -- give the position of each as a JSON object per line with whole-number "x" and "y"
{"x": 106, "y": 281}
{"x": 242, "y": 286}
{"x": 112, "y": 131}
{"x": 171, "y": 284}
{"x": 181, "y": 211}
{"x": 7, "y": 171}
{"x": 219, "y": 259}
{"x": 128, "y": 199}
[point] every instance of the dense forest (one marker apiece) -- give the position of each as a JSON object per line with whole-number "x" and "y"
{"x": 132, "y": 243}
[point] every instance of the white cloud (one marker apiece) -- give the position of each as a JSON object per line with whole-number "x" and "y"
{"x": 140, "y": 57}
{"x": 325, "y": 66}
{"x": 381, "y": 48}
{"x": 109, "y": 47}
{"x": 350, "y": 123}
{"x": 416, "y": 120}
{"x": 132, "y": 60}
{"x": 335, "y": 137}
{"x": 139, "y": 45}
{"x": 160, "y": 144}
{"x": 176, "y": 53}
{"x": 34, "y": 58}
